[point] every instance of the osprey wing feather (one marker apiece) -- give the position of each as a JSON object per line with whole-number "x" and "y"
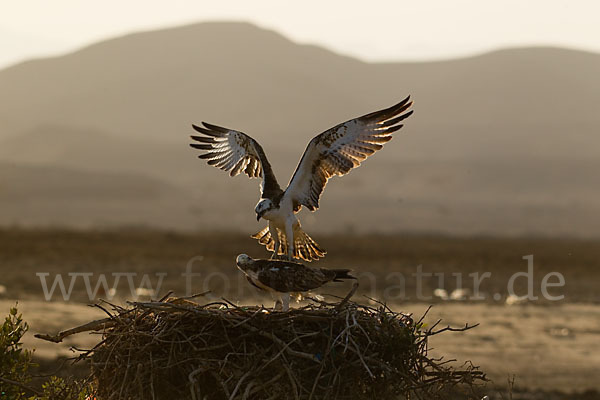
{"x": 340, "y": 149}
{"x": 334, "y": 152}
{"x": 234, "y": 151}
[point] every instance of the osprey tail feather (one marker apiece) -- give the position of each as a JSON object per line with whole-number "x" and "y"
{"x": 305, "y": 247}
{"x": 341, "y": 274}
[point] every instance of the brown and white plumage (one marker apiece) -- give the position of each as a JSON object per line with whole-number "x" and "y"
{"x": 235, "y": 152}
{"x": 284, "y": 277}
{"x": 334, "y": 152}
{"x": 340, "y": 149}
{"x": 304, "y": 248}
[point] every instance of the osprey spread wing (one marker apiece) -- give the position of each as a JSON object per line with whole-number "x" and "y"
{"x": 334, "y": 152}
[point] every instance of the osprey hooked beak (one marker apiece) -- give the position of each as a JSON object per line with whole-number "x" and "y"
{"x": 262, "y": 207}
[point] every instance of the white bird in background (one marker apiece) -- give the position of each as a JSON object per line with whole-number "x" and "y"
{"x": 334, "y": 152}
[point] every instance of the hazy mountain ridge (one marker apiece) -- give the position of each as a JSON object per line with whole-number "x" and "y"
{"x": 505, "y": 142}
{"x": 46, "y": 195}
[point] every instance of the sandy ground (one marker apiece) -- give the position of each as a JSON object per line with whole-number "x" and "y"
{"x": 549, "y": 348}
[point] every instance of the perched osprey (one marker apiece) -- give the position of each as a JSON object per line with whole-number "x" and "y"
{"x": 334, "y": 152}
{"x": 284, "y": 277}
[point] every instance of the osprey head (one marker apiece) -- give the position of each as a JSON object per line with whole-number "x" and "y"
{"x": 262, "y": 207}
{"x": 243, "y": 261}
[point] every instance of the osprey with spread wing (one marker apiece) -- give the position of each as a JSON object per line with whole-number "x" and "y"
{"x": 334, "y": 152}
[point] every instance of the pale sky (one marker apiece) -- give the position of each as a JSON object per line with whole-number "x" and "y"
{"x": 374, "y": 30}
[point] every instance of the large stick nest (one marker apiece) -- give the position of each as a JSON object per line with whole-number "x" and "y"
{"x": 176, "y": 349}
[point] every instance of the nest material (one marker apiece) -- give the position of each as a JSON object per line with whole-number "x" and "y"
{"x": 176, "y": 349}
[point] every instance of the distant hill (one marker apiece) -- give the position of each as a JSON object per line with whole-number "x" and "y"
{"x": 55, "y": 196}
{"x": 90, "y": 149}
{"x": 502, "y": 143}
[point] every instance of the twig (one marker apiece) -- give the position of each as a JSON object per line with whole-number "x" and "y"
{"x": 90, "y": 326}
{"x": 166, "y": 296}
{"x": 237, "y": 386}
{"x": 347, "y": 298}
{"x": 450, "y": 329}
{"x": 22, "y": 386}
{"x": 282, "y": 344}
